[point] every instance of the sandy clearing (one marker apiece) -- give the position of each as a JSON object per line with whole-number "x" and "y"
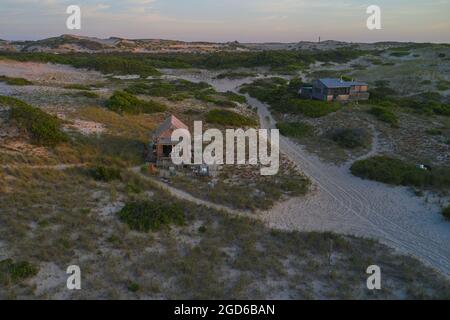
{"x": 47, "y": 73}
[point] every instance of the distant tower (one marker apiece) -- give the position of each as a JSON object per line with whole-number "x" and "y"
{"x": 319, "y": 39}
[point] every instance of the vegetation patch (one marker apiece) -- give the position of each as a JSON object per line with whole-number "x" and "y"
{"x": 235, "y": 75}
{"x": 427, "y": 103}
{"x": 149, "y": 215}
{"x": 443, "y": 85}
{"x": 350, "y": 138}
{"x": 312, "y": 108}
{"x": 106, "y": 63}
{"x": 43, "y": 128}
{"x": 235, "y": 97}
{"x": 180, "y": 89}
{"x": 14, "y": 272}
{"x": 104, "y": 173}
{"x": 282, "y": 96}
{"x": 385, "y": 115}
{"x": 397, "y": 172}
{"x": 446, "y": 212}
{"x": 400, "y": 54}
{"x": 294, "y": 129}
{"x": 15, "y": 81}
{"x": 124, "y": 102}
{"x": 229, "y": 118}
{"x": 77, "y": 86}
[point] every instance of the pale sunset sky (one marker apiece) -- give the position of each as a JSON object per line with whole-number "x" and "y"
{"x": 229, "y": 20}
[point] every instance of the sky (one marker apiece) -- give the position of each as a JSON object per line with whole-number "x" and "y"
{"x": 230, "y": 20}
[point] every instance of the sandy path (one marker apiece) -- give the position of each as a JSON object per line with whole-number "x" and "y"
{"x": 180, "y": 194}
{"x": 346, "y": 204}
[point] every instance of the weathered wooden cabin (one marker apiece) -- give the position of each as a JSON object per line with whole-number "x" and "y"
{"x": 330, "y": 89}
{"x": 161, "y": 145}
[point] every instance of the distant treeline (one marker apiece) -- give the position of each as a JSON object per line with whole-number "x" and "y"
{"x": 146, "y": 64}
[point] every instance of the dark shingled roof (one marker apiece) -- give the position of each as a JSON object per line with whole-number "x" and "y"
{"x": 170, "y": 124}
{"x": 338, "y": 83}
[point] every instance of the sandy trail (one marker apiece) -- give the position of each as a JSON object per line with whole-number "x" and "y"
{"x": 346, "y": 204}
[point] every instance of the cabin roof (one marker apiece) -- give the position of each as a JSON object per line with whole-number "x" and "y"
{"x": 338, "y": 83}
{"x": 168, "y": 126}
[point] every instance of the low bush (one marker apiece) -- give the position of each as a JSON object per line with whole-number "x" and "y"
{"x": 124, "y": 102}
{"x": 235, "y": 97}
{"x": 235, "y": 75}
{"x": 312, "y": 108}
{"x": 294, "y": 129}
{"x": 229, "y": 118}
{"x": 446, "y": 212}
{"x": 13, "y": 272}
{"x": 85, "y": 94}
{"x": 133, "y": 287}
{"x": 282, "y": 96}
{"x": 397, "y": 172}
{"x": 385, "y": 115}
{"x": 103, "y": 173}
{"x": 400, "y": 54}
{"x": 443, "y": 85}
{"x": 434, "y": 132}
{"x": 151, "y": 215}
{"x": 350, "y": 138}
{"x": 15, "y": 81}
{"x": 77, "y": 86}
{"x": 43, "y": 128}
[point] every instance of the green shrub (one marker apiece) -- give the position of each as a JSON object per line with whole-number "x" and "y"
{"x": 43, "y": 128}
{"x": 446, "y": 212}
{"x": 86, "y": 94}
{"x": 443, "y": 85}
{"x": 124, "y": 102}
{"x": 385, "y": 115}
{"x": 350, "y": 138}
{"x": 282, "y": 97}
{"x": 434, "y": 132}
{"x": 164, "y": 88}
{"x": 77, "y": 86}
{"x": 397, "y": 172}
{"x": 15, "y": 81}
{"x": 229, "y": 118}
{"x": 235, "y": 75}
{"x": 14, "y": 272}
{"x": 103, "y": 173}
{"x": 151, "y": 215}
{"x": 400, "y": 53}
{"x": 133, "y": 287}
{"x": 312, "y": 108}
{"x": 235, "y": 97}
{"x": 294, "y": 129}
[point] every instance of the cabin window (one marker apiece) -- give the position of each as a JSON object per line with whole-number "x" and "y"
{"x": 167, "y": 150}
